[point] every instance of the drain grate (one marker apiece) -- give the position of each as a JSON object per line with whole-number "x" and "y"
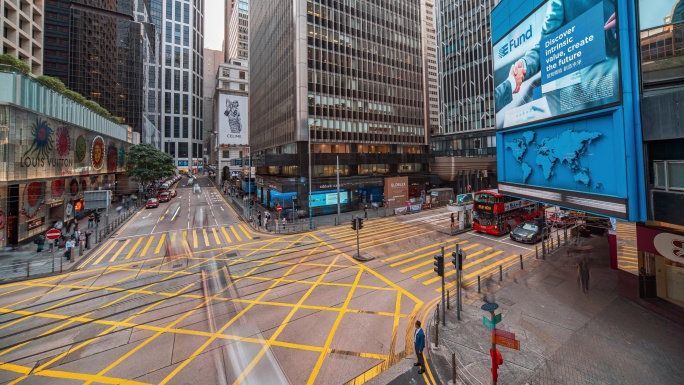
{"x": 231, "y": 255}
{"x": 256, "y": 237}
{"x": 178, "y": 265}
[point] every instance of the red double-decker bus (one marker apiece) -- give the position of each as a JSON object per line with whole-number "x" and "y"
{"x": 498, "y": 214}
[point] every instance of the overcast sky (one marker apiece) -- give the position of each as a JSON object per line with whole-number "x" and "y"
{"x": 213, "y": 24}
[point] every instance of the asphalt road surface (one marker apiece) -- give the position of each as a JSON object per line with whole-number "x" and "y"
{"x": 188, "y": 294}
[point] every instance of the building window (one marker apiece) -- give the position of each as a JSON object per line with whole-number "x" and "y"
{"x": 319, "y": 171}
{"x": 365, "y": 169}
{"x": 668, "y": 175}
{"x": 226, "y": 154}
{"x": 183, "y": 149}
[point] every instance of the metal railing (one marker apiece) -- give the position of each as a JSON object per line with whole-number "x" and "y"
{"x": 37, "y": 266}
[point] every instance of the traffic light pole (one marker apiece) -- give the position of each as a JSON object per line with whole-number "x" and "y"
{"x": 443, "y": 294}
{"x": 458, "y": 288}
{"x": 358, "y": 249}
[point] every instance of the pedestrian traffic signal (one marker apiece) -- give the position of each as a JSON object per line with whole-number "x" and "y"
{"x": 353, "y": 224}
{"x": 439, "y": 265}
{"x": 360, "y": 223}
{"x": 457, "y": 259}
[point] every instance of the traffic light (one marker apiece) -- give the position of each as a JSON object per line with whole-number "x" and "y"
{"x": 439, "y": 265}
{"x": 360, "y": 223}
{"x": 353, "y": 224}
{"x": 457, "y": 259}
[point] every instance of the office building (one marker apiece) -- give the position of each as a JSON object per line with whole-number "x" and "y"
{"x": 183, "y": 67}
{"x": 212, "y": 60}
{"x": 237, "y": 30}
{"x": 430, "y": 65}
{"x": 106, "y": 52}
{"x": 465, "y": 146}
{"x": 230, "y": 135}
{"x": 337, "y": 82}
{"x": 22, "y": 31}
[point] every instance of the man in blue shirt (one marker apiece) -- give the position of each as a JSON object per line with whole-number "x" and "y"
{"x": 419, "y": 345}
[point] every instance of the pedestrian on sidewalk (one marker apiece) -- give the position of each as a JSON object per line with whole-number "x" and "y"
{"x": 418, "y": 346}
{"x": 40, "y": 241}
{"x": 452, "y": 220}
{"x": 583, "y": 274}
{"x": 259, "y": 219}
{"x": 91, "y": 220}
{"x": 365, "y": 211}
{"x": 70, "y": 244}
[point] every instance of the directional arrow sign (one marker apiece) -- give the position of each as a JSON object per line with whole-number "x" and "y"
{"x": 507, "y": 342}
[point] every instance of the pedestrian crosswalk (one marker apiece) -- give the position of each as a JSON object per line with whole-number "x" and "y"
{"x": 627, "y": 254}
{"x": 156, "y": 245}
{"x": 418, "y": 262}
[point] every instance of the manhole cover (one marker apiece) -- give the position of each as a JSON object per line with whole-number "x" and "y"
{"x": 256, "y": 237}
{"x": 134, "y": 266}
{"x": 553, "y": 281}
{"x": 178, "y": 265}
{"x": 231, "y": 255}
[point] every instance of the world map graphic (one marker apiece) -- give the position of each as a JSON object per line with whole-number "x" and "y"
{"x": 569, "y": 147}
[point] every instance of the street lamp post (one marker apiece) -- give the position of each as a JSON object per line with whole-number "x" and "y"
{"x": 249, "y": 181}
{"x": 310, "y": 181}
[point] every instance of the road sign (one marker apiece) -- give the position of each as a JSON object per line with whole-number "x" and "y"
{"x": 506, "y": 342}
{"x": 503, "y": 333}
{"x": 279, "y": 208}
{"x": 53, "y": 234}
{"x": 491, "y": 323}
{"x": 97, "y": 199}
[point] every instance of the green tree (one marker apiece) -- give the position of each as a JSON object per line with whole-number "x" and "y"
{"x": 15, "y": 62}
{"x": 146, "y": 164}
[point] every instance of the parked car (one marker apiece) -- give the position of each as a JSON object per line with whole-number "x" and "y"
{"x": 164, "y": 197}
{"x": 529, "y": 232}
{"x": 152, "y": 203}
{"x": 173, "y": 193}
{"x": 562, "y": 219}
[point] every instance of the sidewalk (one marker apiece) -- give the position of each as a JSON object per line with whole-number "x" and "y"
{"x": 16, "y": 260}
{"x": 566, "y": 336}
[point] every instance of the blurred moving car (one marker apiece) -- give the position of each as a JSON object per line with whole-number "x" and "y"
{"x": 529, "y": 232}
{"x": 152, "y": 203}
{"x": 164, "y": 197}
{"x": 562, "y": 219}
{"x": 173, "y": 193}
{"x": 196, "y": 188}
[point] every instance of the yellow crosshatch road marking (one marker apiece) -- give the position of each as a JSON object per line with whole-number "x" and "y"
{"x": 206, "y": 238}
{"x": 216, "y": 237}
{"x": 236, "y": 234}
{"x": 185, "y": 234}
{"x": 244, "y": 230}
{"x": 434, "y": 245}
{"x": 160, "y": 244}
{"x": 225, "y": 234}
{"x": 480, "y": 271}
{"x": 431, "y": 261}
{"x": 194, "y": 239}
{"x": 452, "y": 272}
{"x": 147, "y": 246}
{"x": 114, "y": 242}
{"x": 135, "y": 247}
{"x": 120, "y": 250}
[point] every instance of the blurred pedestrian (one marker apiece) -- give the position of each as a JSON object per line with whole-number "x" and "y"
{"x": 259, "y": 219}
{"x": 91, "y": 220}
{"x": 583, "y": 274}
{"x": 453, "y": 220}
{"x": 365, "y": 211}
{"x": 418, "y": 346}
{"x": 70, "y": 244}
{"x": 40, "y": 241}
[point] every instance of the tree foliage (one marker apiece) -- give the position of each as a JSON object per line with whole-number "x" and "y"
{"x": 15, "y": 62}
{"x": 146, "y": 164}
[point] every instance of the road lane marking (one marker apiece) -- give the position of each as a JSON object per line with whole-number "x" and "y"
{"x": 452, "y": 272}
{"x": 114, "y": 242}
{"x": 175, "y": 214}
{"x": 244, "y": 230}
{"x": 135, "y": 247}
{"x": 225, "y": 234}
{"x": 206, "y": 238}
{"x": 147, "y": 246}
{"x": 161, "y": 242}
{"x": 194, "y": 239}
{"x": 216, "y": 237}
{"x": 236, "y": 234}
{"x": 120, "y": 250}
{"x": 421, "y": 264}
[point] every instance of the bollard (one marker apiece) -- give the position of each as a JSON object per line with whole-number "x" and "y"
{"x": 437, "y": 314}
{"x": 521, "y": 263}
{"x": 60, "y": 265}
{"x": 565, "y": 236}
{"x": 536, "y": 251}
{"x": 453, "y": 366}
{"x": 448, "y": 299}
{"x": 28, "y": 268}
{"x": 478, "y": 284}
{"x": 500, "y": 273}
{"x": 557, "y": 241}
{"x": 437, "y": 330}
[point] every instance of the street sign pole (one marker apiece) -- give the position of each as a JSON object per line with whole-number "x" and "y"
{"x": 458, "y": 287}
{"x": 338, "y": 191}
{"x": 358, "y": 248}
{"x": 443, "y": 294}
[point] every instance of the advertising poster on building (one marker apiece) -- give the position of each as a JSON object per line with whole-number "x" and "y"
{"x": 232, "y": 120}
{"x": 396, "y": 191}
{"x": 562, "y": 59}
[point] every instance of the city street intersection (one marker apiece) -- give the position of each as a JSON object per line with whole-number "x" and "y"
{"x": 190, "y": 294}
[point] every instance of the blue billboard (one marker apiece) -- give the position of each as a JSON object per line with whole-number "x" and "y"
{"x": 560, "y": 60}
{"x": 569, "y": 125}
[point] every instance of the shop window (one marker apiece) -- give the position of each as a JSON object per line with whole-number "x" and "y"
{"x": 668, "y": 175}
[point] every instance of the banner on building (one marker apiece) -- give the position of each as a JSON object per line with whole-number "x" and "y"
{"x": 232, "y": 120}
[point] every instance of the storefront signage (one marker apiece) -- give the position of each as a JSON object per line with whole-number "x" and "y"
{"x": 414, "y": 208}
{"x": 32, "y": 224}
{"x": 668, "y": 245}
{"x": 396, "y": 188}
{"x": 400, "y": 210}
{"x": 55, "y": 203}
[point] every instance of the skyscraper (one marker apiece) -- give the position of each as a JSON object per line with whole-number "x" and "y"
{"x": 237, "y": 30}
{"x": 22, "y": 31}
{"x": 465, "y": 149}
{"x": 329, "y": 82}
{"x": 183, "y": 67}
{"x": 106, "y": 51}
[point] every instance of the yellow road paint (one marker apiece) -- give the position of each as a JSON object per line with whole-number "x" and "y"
{"x": 135, "y": 247}
{"x": 147, "y": 246}
{"x": 173, "y": 236}
{"x": 185, "y": 234}
{"x": 403, "y": 238}
{"x": 160, "y": 244}
{"x": 244, "y": 230}
{"x": 206, "y": 238}
{"x": 194, "y": 239}
{"x": 225, "y": 234}
{"x": 432, "y": 246}
{"x": 216, "y": 237}
{"x": 430, "y": 262}
{"x": 480, "y": 271}
{"x": 114, "y": 242}
{"x": 116, "y": 255}
{"x": 236, "y": 234}
{"x": 452, "y": 272}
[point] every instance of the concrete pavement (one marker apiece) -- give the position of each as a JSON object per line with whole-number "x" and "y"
{"x": 566, "y": 336}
